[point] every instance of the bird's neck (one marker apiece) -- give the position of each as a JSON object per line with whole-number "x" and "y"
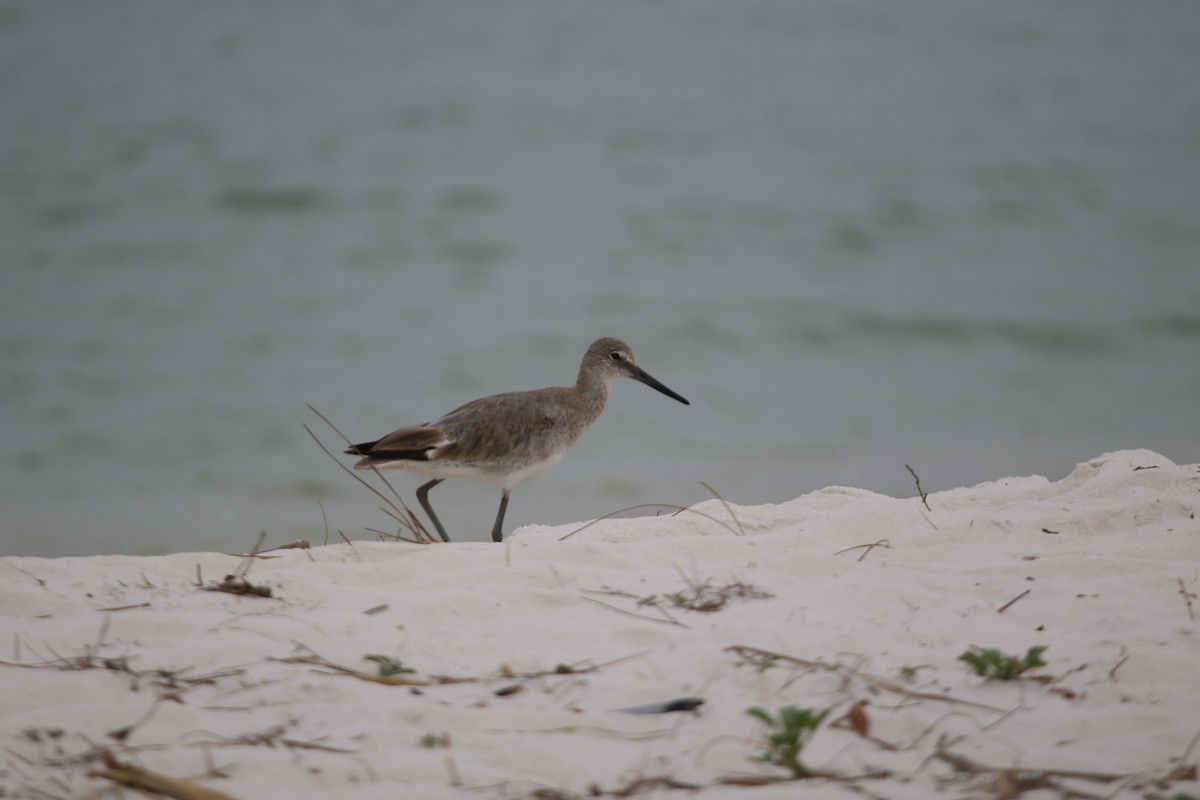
{"x": 592, "y": 388}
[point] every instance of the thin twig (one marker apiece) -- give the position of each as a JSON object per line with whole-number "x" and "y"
{"x": 884, "y": 543}
{"x": 1004, "y": 607}
{"x": 389, "y": 680}
{"x": 269, "y": 737}
{"x": 248, "y": 560}
{"x": 678, "y": 510}
{"x": 125, "y": 608}
{"x": 920, "y": 491}
{"x": 299, "y": 544}
{"x": 639, "y": 785}
{"x": 121, "y": 734}
{"x": 1187, "y": 598}
{"x": 965, "y": 764}
{"x": 1112, "y": 673}
{"x": 40, "y": 581}
{"x": 872, "y": 680}
{"x": 156, "y": 782}
{"x": 639, "y": 616}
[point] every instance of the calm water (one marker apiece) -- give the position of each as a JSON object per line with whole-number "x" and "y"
{"x": 960, "y": 235}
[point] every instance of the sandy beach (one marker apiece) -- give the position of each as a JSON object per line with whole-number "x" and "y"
{"x": 527, "y": 656}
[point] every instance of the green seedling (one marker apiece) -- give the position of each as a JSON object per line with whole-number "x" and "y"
{"x": 788, "y": 733}
{"x": 994, "y": 665}
{"x": 703, "y": 596}
{"x": 388, "y": 666}
{"x": 678, "y": 599}
{"x": 435, "y": 740}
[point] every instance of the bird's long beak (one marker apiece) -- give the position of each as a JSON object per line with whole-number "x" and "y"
{"x": 640, "y": 374}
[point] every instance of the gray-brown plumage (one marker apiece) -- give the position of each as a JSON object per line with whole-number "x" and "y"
{"x": 507, "y": 438}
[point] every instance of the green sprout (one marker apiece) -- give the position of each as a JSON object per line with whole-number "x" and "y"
{"x": 435, "y": 740}
{"x": 388, "y": 666}
{"x": 788, "y": 734}
{"x": 994, "y": 665}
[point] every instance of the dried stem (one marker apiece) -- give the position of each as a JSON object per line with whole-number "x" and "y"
{"x": 156, "y": 782}
{"x": 413, "y": 523}
{"x": 872, "y": 680}
{"x": 1004, "y": 607}
{"x": 678, "y": 510}
{"x": 884, "y": 543}
{"x": 1187, "y": 598}
{"x": 728, "y": 508}
{"x": 920, "y": 491}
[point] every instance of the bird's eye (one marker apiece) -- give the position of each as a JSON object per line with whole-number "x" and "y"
{"x": 615, "y": 355}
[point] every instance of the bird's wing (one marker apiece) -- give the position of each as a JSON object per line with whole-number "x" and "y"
{"x": 416, "y": 443}
{"x": 500, "y": 426}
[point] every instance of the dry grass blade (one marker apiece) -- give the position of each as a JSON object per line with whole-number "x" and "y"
{"x": 387, "y": 680}
{"x": 412, "y": 522}
{"x": 909, "y": 694}
{"x": 123, "y": 733}
{"x": 866, "y": 548}
{"x": 324, "y": 517}
{"x": 677, "y": 509}
{"x": 40, "y": 582}
{"x": 1032, "y": 774}
{"x": 146, "y": 780}
{"x": 1188, "y": 597}
{"x": 756, "y": 653}
{"x": 346, "y": 539}
{"x": 664, "y": 620}
{"x": 398, "y": 506}
{"x": 269, "y": 737}
{"x": 703, "y": 596}
{"x": 248, "y": 559}
{"x": 300, "y": 544}
{"x": 125, "y": 608}
{"x": 386, "y": 536}
{"x": 728, "y": 508}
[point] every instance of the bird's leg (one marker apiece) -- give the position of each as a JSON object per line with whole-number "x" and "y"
{"x": 423, "y": 498}
{"x": 497, "y": 534}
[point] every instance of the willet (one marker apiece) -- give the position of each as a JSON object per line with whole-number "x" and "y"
{"x": 507, "y": 438}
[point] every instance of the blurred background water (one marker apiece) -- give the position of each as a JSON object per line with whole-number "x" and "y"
{"x": 958, "y": 235}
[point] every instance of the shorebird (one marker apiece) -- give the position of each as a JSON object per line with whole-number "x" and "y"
{"x": 506, "y": 438}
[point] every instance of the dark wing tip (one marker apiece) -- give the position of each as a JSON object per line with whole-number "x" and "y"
{"x": 407, "y": 444}
{"x": 384, "y": 456}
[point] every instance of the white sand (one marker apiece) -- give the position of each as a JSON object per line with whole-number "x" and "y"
{"x": 1100, "y": 553}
